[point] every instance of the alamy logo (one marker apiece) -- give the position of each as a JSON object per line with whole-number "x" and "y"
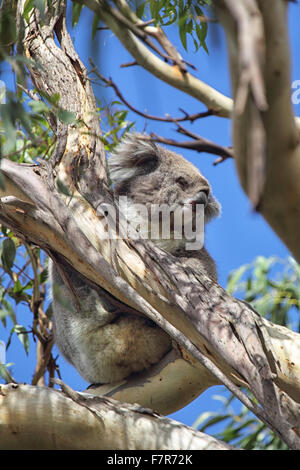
{"x": 2, "y": 92}
{"x": 155, "y": 222}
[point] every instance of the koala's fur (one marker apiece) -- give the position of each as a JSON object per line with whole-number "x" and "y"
{"x": 104, "y": 344}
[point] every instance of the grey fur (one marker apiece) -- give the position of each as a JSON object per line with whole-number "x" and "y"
{"x": 104, "y": 344}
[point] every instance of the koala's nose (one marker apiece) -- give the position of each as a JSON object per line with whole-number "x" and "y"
{"x": 201, "y": 198}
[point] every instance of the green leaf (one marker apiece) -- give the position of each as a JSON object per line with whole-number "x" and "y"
{"x": 38, "y": 107}
{"x": 202, "y": 418}
{"x": 140, "y": 9}
{"x": 234, "y": 278}
{"x": 62, "y": 188}
{"x": 52, "y": 99}
{"x": 8, "y": 253}
{"x": 9, "y": 311}
{"x": 182, "y": 35}
{"x": 212, "y": 421}
{"x": 154, "y": 8}
{"x": 76, "y": 10}
{"x": 3, "y": 315}
{"x": 23, "y": 336}
{"x": 4, "y": 373}
{"x": 2, "y": 181}
{"x": 43, "y": 277}
{"x": 29, "y": 5}
{"x": 96, "y": 20}
{"x": 189, "y": 26}
{"x": 201, "y": 31}
{"x": 10, "y": 131}
{"x": 65, "y": 116}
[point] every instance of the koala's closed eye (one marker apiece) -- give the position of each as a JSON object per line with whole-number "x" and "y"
{"x": 182, "y": 182}
{"x": 146, "y": 163}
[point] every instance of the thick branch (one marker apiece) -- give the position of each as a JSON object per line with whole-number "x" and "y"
{"x": 81, "y": 421}
{"x": 276, "y": 126}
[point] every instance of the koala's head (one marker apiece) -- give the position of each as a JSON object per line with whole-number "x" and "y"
{"x": 150, "y": 174}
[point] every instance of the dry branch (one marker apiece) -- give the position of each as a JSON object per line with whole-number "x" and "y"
{"x": 199, "y": 144}
{"x": 167, "y": 118}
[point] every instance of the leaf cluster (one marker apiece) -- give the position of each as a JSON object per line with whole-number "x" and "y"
{"x": 188, "y": 15}
{"x": 25, "y": 132}
{"x": 272, "y": 287}
{"x": 23, "y": 277}
{"x": 234, "y": 424}
{"x": 114, "y": 123}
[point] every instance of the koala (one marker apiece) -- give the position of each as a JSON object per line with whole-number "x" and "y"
{"x": 103, "y": 343}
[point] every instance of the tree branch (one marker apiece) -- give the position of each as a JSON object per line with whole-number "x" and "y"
{"x": 155, "y": 32}
{"x": 172, "y": 75}
{"x": 200, "y": 144}
{"x": 273, "y": 130}
{"x": 186, "y": 117}
{"x": 81, "y": 421}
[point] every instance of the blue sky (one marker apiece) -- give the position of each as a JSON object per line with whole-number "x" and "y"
{"x": 239, "y": 235}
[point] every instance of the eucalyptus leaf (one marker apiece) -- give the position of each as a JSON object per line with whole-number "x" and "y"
{"x": 8, "y": 253}
{"x": 4, "y": 373}
{"x": 65, "y": 116}
{"x": 76, "y": 11}
{"x": 28, "y": 6}
{"x": 23, "y": 336}
{"x": 38, "y": 106}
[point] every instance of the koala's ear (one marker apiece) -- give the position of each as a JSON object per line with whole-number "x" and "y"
{"x": 133, "y": 156}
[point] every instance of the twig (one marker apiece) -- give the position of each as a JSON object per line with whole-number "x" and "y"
{"x": 30, "y": 93}
{"x": 163, "y": 40}
{"x": 205, "y": 145}
{"x": 200, "y": 145}
{"x": 186, "y": 117}
{"x": 129, "y": 64}
{"x": 43, "y": 357}
{"x": 146, "y": 23}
